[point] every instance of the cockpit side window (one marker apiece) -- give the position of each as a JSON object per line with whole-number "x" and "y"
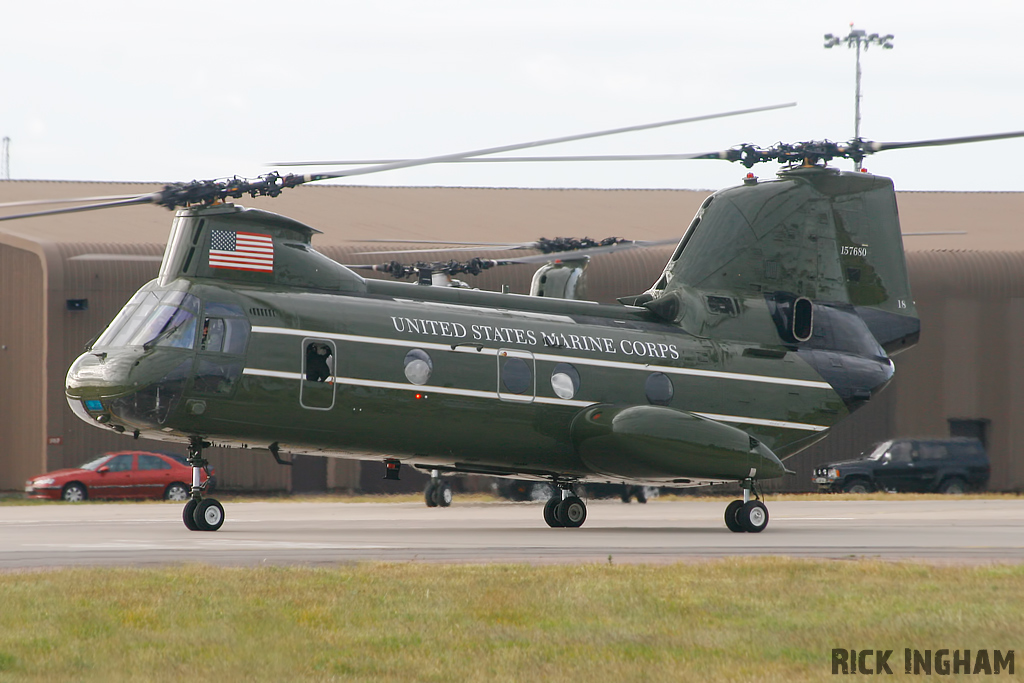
{"x": 225, "y": 329}
{"x": 213, "y": 335}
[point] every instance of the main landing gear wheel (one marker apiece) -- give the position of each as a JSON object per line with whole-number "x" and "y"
{"x": 753, "y": 516}
{"x": 438, "y": 494}
{"x": 549, "y": 512}
{"x": 571, "y": 512}
{"x": 730, "y": 516}
{"x": 747, "y": 515}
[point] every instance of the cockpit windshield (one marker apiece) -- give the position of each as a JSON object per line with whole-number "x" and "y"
{"x": 154, "y": 318}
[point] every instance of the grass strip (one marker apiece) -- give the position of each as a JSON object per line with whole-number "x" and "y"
{"x": 764, "y": 619}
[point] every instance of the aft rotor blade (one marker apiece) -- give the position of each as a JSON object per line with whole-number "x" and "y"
{"x": 499, "y": 247}
{"x": 139, "y": 199}
{"x": 493, "y": 160}
{"x": 882, "y": 146}
{"x": 459, "y": 243}
{"x": 407, "y": 163}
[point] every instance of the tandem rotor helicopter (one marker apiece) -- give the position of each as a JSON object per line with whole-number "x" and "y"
{"x": 774, "y": 319}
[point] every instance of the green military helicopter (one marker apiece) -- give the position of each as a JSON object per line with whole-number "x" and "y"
{"x": 775, "y": 318}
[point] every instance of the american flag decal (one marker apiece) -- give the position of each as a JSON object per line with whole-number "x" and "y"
{"x": 241, "y": 251}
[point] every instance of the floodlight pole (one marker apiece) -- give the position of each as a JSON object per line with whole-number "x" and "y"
{"x": 857, "y": 38}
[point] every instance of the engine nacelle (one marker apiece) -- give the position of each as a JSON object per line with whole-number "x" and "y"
{"x": 656, "y": 443}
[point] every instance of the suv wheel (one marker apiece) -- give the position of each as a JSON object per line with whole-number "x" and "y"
{"x": 858, "y": 486}
{"x": 954, "y": 486}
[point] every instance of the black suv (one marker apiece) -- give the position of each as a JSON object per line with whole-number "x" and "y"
{"x": 942, "y": 465}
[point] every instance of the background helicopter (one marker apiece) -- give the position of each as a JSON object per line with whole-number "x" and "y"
{"x": 792, "y": 314}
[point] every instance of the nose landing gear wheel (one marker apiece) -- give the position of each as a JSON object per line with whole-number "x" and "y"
{"x": 199, "y": 513}
{"x": 188, "y": 515}
{"x": 209, "y": 515}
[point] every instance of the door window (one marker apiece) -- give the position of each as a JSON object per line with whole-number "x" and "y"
{"x": 318, "y": 368}
{"x": 516, "y": 375}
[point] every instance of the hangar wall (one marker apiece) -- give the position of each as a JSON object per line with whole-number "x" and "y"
{"x": 22, "y": 381}
{"x": 969, "y": 365}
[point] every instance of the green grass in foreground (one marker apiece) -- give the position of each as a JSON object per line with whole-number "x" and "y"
{"x": 732, "y": 620}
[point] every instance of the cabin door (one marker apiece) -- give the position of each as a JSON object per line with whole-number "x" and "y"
{"x": 319, "y": 358}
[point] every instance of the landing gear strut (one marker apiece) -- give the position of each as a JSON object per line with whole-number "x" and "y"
{"x": 438, "y": 492}
{"x": 201, "y": 514}
{"x": 565, "y": 509}
{"x": 746, "y": 515}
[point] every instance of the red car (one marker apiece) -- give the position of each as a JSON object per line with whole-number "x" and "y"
{"x": 127, "y": 474}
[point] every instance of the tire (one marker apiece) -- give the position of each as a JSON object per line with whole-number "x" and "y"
{"x": 954, "y": 486}
{"x": 188, "y": 515}
{"x": 753, "y": 517}
{"x": 858, "y": 486}
{"x": 209, "y": 515}
{"x": 730, "y": 516}
{"x": 428, "y": 495}
{"x": 74, "y": 493}
{"x": 571, "y": 512}
{"x": 177, "y": 492}
{"x": 549, "y": 512}
{"x": 442, "y": 494}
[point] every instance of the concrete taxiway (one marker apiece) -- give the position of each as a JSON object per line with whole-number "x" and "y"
{"x": 955, "y": 530}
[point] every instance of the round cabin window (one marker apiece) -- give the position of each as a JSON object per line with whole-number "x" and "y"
{"x": 418, "y": 366}
{"x": 659, "y": 389}
{"x": 565, "y": 381}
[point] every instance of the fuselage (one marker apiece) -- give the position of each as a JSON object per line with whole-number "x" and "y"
{"x": 466, "y": 379}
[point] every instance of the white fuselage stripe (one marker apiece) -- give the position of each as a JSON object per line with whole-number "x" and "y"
{"x": 472, "y": 348}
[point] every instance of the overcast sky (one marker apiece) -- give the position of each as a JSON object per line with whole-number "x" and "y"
{"x": 146, "y": 91}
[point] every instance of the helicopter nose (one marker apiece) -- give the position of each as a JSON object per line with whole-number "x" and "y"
{"x": 98, "y": 373}
{"x": 93, "y": 380}
{"x": 127, "y": 388}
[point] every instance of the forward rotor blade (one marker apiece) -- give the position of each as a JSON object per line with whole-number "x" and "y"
{"x": 407, "y": 163}
{"x": 43, "y": 202}
{"x": 555, "y": 257}
{"x": 139, "y": 199}
{"x": 882, "y": 146}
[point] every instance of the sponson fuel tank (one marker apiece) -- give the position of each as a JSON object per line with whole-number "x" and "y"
{"x": 657, "y": 443}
